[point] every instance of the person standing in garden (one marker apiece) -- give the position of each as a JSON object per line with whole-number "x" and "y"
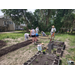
{"x": 33, "y": 35}
{"x": 53, "y": 30}
{"x": 37, "y": 30}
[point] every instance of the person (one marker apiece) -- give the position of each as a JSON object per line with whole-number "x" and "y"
{"x": 53, "y": 30}
{"x": 33, "y": 35}
{"x": 26, "y": 36}
{"x": 43, "y": 33}
{"x": 37, "y": 35}
{"x": 37, "y": 30}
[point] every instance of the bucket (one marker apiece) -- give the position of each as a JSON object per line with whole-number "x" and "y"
{"x": 70, "y": 62}
{"x": 39, "y": 47}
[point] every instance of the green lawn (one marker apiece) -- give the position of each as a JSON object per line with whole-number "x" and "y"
{"x": 63, "y": 37}
{"x": 11, "y": 35}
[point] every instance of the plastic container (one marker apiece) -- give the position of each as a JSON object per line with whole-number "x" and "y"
{"x": 39, "y": 47}
{"x": 70, "y": 62}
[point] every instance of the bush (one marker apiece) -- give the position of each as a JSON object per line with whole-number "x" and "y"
{"x": 7, "y": 36}
{"x": 24, "y": 28}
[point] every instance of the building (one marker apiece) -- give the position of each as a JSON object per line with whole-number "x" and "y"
{"x": 20, "y": 27}
{"x": 6, "y": 24}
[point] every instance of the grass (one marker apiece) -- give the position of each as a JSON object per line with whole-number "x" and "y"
{"x": 11, "y": 35}
{"x": 71, "y": 56}
{"x": 63, "y": 37}
{"x": 71, "y": 50}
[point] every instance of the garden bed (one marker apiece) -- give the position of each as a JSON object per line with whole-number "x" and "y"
{"x": 43, "y": 59}
{"x": 2, "y": 43}
{"x": 59, "y": 44}
{"x": 48, "y": 58}
{"x": 14, "y": 47}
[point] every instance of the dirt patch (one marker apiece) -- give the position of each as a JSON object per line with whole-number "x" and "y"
{"x": 19, "y": 56}
{"x": 43, "y": 59}
{"x": 59, "y": 50}
{"x": 11, "y": 41}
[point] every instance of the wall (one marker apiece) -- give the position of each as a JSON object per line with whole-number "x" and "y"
{"x": 1, "y": 22}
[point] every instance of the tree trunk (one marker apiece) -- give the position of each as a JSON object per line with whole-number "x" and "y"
{"x": 27, "y": 29}
{"x": 47, "y": 20}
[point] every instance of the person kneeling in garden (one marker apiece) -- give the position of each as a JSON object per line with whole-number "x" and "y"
{"x": 43, "y": 33}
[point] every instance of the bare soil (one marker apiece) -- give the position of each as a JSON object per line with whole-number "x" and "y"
{"x": 14, "y": 47}
{"x": 2, "y": 43}
{"x": 44, "y": 59}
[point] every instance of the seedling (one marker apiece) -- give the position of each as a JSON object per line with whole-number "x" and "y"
{"x": 57, "y": 54}
{"x": 44, "y": 50}
{"x": 46, "y": 62}
{"x": 40, "y": 55}
{"x": 61, "y": 45}
{"x": 37, "y": 60}
{"x": 31, "y": 64}
{"x": 54, "y": 49}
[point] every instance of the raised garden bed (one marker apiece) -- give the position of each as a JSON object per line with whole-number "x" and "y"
{"x": 42, "y": 59}
{"x": 2, "y": 43}
{"x": 59, "y": 44}
{"x": 58, "y": 51}
{"x": 14, "y": 47}
{"x": 49, "y": 58}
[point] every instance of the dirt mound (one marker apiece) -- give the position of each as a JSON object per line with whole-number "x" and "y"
{"x": 14, "y": 47}
{"x": 2, "y": 43}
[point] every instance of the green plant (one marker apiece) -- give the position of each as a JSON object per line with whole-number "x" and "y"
{"x": 44, "y": 50}
{"x": 13, "y": 37}
{"x": 36, "y": 60}
{"x": 54, "y": 49}
{"x": 31, "y": 64}
{"x": 46, "y": 62}
{"x": 40, "y": 55}
{"x": 57, "y": 54}
{"x": 7, "y": 36}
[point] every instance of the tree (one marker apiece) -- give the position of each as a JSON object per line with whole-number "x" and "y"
{"x": 62, "y": 17}
{"x": 19, "y": 16}
{"x": 44, "y": 17}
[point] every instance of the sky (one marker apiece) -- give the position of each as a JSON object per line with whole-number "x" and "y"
{"x": 32, "y": 10}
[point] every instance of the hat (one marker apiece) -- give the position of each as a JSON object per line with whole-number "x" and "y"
{"x": 53, "y": 26}
{"x": 42, "y": 43}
